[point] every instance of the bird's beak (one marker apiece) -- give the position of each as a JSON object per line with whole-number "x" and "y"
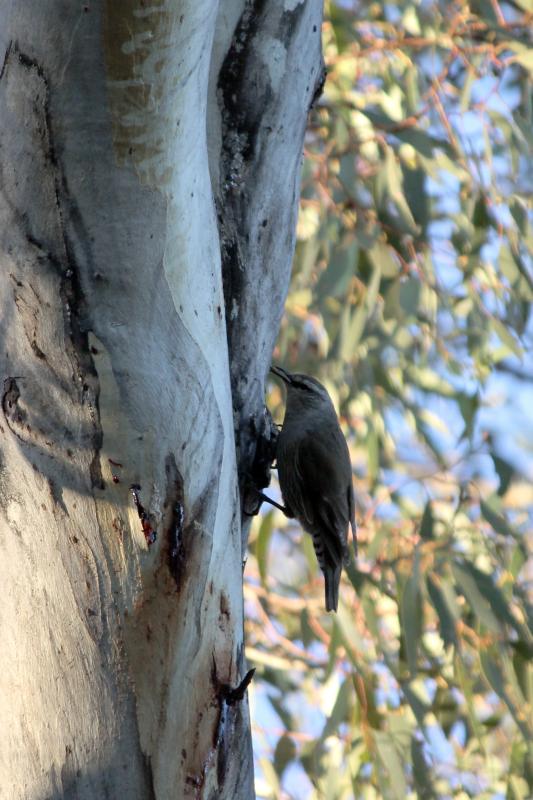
{"x": 281, "y": 373}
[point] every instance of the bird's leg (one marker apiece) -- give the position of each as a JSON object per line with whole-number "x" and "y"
{"x": 266, "y": 499}
{"x": 258, "y": 498}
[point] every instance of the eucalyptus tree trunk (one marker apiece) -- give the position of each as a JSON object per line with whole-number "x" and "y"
{"x": 149, "y": 173}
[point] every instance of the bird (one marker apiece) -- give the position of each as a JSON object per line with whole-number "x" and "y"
{"x": 315, "y": 475}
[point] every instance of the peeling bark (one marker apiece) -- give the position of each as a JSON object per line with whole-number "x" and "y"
{"x": 144, "y": 270}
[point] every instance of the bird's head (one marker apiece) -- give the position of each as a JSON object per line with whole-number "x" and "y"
{"x": 303, "y": 392}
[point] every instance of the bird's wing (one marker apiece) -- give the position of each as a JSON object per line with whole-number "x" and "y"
{"x": 324, "y": 504}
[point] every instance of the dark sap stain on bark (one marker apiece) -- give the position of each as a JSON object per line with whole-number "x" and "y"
{"x": 150, "y": 534}
{"x": 175, "y": 508}
{"x": 228, "y": 722}
{"x": 227, "y": 751}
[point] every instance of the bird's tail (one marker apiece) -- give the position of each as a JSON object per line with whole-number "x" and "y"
{"x": 332, "y": 576}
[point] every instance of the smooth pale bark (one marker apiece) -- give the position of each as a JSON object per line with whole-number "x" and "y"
{"x": 131, "y": 254}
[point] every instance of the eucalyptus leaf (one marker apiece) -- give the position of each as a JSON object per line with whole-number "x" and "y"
{"x": 479, "y": 604}
{"x": 446, "y": 613}
{"x": 263, "y": 542}
{"x": 412, "y": 615}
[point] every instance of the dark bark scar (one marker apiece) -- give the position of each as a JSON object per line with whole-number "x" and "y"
{"x": 149, "y": 533}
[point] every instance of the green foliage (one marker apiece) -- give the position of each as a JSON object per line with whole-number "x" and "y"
{"x": 411, "y": 291}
